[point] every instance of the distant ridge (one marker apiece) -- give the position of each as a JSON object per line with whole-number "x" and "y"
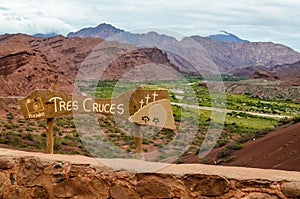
{"x": 226, "y": 36}
{"x": 226, "y": 50}
{"x": 51, "y": 34}
{"x": 103, "y": 31}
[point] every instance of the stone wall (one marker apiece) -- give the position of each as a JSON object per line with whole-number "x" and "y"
{"x": 26, "y": 176}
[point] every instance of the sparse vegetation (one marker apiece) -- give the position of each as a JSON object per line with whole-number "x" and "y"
{"x": 238, "y": 128}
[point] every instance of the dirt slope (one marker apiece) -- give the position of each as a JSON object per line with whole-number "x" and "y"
{"x": 280, "y": 149}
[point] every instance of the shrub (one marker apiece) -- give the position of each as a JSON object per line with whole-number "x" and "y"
{"x": 56, "y": 129}
{"x": 225, "y": 153}
{"x": 4, "y": 141}
{"x": 57, "y": 144}
{"x": 76, "y": 152}
{"x": 227, "y": 159}
{"x": 221, "y": 142}
{"x": 296, "y": 119}
{"x": 21, "y": 121}
{"x": 179, "y": 161}
{"x": 68, "y": 137}
{"x": 244, "y": 138}
{"x": 8, "y": 126}
{"x": 197, "y": 151}
{"x": 10, "y": 116}
{"x": 28, "y": 136}
{"x": 42, "y": 123}
{"x": 261, "y": 133}
{"x": 204, "y": 160}
{"x": 283, "y": 121}
{"x": 235, "y": 146}
{"x": 145, "y": 141}
{"x": 30, "y": 129}
{"x": 23, "y": 145}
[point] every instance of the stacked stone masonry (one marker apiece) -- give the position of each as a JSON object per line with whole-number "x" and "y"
{"x": 29, "y": 177}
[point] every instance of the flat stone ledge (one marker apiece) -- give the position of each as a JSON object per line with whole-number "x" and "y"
{"x": 138, "y": 166}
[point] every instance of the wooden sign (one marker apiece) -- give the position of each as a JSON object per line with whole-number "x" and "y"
{"x": 144, "y": 107}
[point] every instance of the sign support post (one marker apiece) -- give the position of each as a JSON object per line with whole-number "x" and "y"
{"x": 138, "y": 141}
{"x": 49, "y": 136}
{"x": 49, "y": 130}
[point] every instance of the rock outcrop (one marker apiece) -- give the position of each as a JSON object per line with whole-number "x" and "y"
{"x": 28, "y": 63}
{"x": 24, "y": 69}
{"x": 143, "y": 64}
{"x": 263, "y": 74}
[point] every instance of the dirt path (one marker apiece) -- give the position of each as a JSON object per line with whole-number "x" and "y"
{"x": 229, "y": 111}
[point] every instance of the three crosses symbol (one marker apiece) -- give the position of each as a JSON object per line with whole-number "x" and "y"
{"x": 142, "y": 102}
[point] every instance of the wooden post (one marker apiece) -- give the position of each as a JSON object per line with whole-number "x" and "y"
{"x": 49, "y": 130}
{"x": 49, "y": 134}
{"x": 138, "y": 142}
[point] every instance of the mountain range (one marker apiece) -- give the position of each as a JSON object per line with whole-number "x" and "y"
{"x": 226, "y": 50}
{"x": 37, "y": 61}
{"x": 105, "y": 31}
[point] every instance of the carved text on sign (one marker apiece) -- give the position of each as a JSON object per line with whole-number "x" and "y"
{"x": 145, "y": 107}
{"x": 109, "y": 108}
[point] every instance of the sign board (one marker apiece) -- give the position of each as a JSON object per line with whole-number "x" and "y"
{"x": 144, "y": 107}
{"x": 155, "y": 114}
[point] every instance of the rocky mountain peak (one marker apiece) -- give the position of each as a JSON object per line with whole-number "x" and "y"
{"x": 103, "y": 31}
{"x": 226, "y": 36}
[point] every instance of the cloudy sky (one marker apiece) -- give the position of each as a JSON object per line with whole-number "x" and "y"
{"x": 256, "y": 20}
